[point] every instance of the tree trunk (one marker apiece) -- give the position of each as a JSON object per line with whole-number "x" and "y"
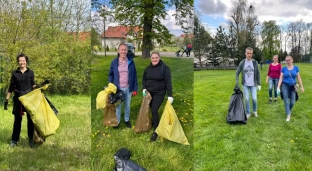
{"x": 147, "y": 30}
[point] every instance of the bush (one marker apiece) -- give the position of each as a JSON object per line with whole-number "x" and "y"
{"x": 107, "y": 48}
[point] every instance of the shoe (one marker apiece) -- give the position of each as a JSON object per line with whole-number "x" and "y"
{"x": 116, "y": 127}
{"x": 128, "y": 124}
{"x": 154, "y": 136}
{"x": 31, "y": 143}
{"x": 248, "y": 116}
{"x": 13, "y": 143}
{"x": 256, "y": 114}
{"x": 270, "y": 100}
{"x": 288, "y": 118}
{"x": 275, "y": 100}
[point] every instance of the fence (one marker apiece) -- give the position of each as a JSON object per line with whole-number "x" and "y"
{"x": 215, "y": 66}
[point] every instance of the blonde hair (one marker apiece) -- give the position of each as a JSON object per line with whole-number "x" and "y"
{"x": 155, "y": 52}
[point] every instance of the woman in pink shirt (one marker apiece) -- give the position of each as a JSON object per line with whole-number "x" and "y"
{"x": 273, "y": 76}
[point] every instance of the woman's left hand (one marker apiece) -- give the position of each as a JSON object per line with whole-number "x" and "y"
{"x": 302, "y": 89}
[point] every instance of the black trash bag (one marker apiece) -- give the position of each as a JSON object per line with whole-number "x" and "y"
{"x": 52, "y": 106}
{"x": 116, "y": 98}
{"x": 127, "y": 165}
{"x": 123, "y": 163}
{"x": 123, "y": 153}
{"x": 236, "y": 111}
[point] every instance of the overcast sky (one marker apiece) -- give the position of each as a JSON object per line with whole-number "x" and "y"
{"x": 215, "y": 12}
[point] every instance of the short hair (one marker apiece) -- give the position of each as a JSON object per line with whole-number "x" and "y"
{"x": 22, "y": 55}
{"x": 122, "y": 44}
{"x": 249, "y": 48}
{"x": 155, "y": 52}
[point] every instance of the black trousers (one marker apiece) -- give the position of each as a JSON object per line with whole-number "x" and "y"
{"x": 157, "y": 99}
{"x": 18, "y": 126}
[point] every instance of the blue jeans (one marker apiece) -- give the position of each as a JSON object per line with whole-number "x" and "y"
{"x": 253, "y": 90}
{"x": 273, "y": 83}
{"x": 126, "y": 102}
{"x": 289, "y": 96}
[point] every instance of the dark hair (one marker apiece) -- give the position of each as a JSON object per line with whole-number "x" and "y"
{"x": 22, "y": 55}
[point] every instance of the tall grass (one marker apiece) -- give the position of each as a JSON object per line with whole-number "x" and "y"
{"x": 68, "y": 149}
{"x": 264, "y": 143}
{"x": 154, "y": 156}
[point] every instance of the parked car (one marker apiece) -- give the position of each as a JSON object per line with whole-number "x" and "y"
{"x": 131, "y": 49}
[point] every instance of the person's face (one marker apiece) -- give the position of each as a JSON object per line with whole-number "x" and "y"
{"x": 275, "y": 59}
{"x": 248, "y": 54}
{"x": 123, "y": 50}
{"x": 289, "y": 60}
{"x": 155, "y": 59}
{"x": 22, "y": 62}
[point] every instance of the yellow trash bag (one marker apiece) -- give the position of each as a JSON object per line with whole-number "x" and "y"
{"x": 40, "y": 112}
{"x": 169, "y": 126}
{"x": 102, "y": 95}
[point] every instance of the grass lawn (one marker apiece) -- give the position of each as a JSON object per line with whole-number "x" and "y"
{"x": 68, "y": 149}
{"x": 153, "y": 156}
{"x": 264, "y": 143}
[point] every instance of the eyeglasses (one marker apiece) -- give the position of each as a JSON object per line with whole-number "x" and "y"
{"x": 288, "y": 60}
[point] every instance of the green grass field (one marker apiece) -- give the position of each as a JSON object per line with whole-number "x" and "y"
{"x": 68, "y": 149}
{"x": 264, "y": 143}
{"x": 153, "y": 156}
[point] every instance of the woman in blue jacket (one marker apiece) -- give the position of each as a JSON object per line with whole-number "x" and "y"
{"x": 123, "y": 75}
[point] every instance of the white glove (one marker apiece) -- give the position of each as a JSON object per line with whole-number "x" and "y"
{"x": 259, "y": 87}
{"x": 170, "y": 99}
{"x": 278, "y": 91}
{"x": 144, "y": 92}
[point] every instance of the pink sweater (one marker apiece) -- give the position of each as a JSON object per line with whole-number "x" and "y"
{"x": 274, "y": 71}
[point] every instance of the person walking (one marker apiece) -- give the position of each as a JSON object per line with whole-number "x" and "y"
{"x": 157, "y": 81}
{"x": 123, "y": 75}
{"x": 250, "y": 80}
{"x": 286, "y": 85}
{"x": 22, "y": 82}
{"x": 189, "y": 49}
{"x": 272, "y": 78}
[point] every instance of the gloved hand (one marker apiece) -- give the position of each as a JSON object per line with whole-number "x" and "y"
{"x": 144, "y": 92}
{"x": 170, "y": 99}
{"x": 134, "y": 93}
{"x": 45, "y": 82}
{"x": 259, "y": 87}
{"x": 6, "y": 102}
{"x": 278, "y": 91}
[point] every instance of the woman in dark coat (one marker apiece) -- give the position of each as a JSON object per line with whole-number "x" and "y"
{"x": 22, "y": 82}
{"x": 157, "y": 81}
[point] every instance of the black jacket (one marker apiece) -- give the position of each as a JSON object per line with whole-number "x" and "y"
{"x": 20, "y": 84}
{"x": 157, "y": 79}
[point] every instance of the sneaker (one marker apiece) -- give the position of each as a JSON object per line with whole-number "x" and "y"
{"x": 154, "y": 136}
{"x": 248, "y": 116}
{"x": 128, "y": 124}
{"x": 31, "y": 143}
{"x": 13, "y": 143}
{"x": 288, "y": 118}
{"x": 270, "y": 100}
{"x": 256, "y": 114}
{"x": 275, "y": 100}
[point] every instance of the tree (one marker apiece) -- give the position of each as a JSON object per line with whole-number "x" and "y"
{"x": 147, "y": 14}
{"x": 270, "y": 39}
{"x": 94, "y": 38}
{"x": 202, "y": 41}
{"x": 100, "y": 19}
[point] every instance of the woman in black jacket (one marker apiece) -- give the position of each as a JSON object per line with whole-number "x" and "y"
{"x": 22, "y": 82}
{"x": 157, "y": 81}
